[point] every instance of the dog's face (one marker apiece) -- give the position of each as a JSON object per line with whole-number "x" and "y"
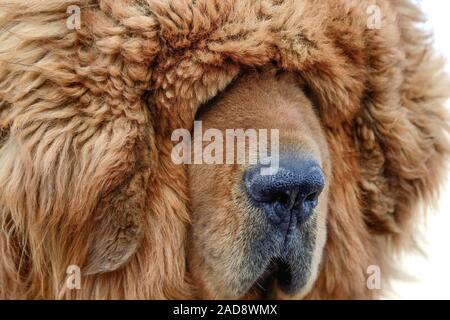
{"x": 257, "y": 234}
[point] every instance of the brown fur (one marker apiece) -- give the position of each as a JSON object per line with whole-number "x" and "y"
{"x": 86, "y": 117}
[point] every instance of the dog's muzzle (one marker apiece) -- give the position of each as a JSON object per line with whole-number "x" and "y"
{"x": 286, "y": 200}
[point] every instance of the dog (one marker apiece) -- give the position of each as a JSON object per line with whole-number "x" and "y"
{"x": 98, "y": 202}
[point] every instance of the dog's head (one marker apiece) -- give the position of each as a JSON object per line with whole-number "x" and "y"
{"x": 257, "y": 232}
{"x": 355, "y": 128}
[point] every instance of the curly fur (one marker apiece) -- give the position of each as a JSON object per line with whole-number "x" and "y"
{"x": 86, "y": 116}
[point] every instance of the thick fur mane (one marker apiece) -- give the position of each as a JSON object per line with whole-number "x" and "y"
{"x": 86, "y": 114}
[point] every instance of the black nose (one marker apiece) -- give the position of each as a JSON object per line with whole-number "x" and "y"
{"x": 292, "y": 192}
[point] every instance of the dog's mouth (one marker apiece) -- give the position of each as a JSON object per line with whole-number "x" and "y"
{"x": 287, "y": 267}
{"x": 278, "y": 275}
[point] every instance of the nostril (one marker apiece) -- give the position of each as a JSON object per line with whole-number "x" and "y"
{"x": 272, "y": 197}
{"x": 281, "y": 197}
{"x": 312, "y": 197}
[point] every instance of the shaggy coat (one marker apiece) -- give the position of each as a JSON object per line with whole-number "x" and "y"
{"x": 86, "y": 117}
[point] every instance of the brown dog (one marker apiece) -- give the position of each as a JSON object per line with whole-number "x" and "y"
{"x": 94, "y": 205}
{"x": 235, "y": 241}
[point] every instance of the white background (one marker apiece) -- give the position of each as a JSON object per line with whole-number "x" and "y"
{"x": 432, "y": 273}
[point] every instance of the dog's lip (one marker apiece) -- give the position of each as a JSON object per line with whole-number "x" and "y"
{"x": 278, "y": 273}
{"x": 286, "y": 268}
